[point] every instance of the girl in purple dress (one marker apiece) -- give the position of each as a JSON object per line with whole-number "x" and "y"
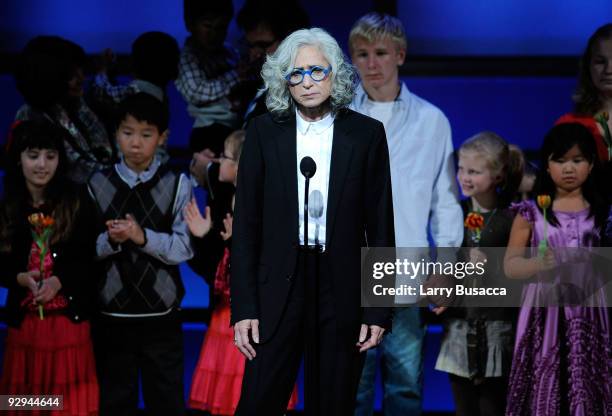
{"x": 561, "y": 363}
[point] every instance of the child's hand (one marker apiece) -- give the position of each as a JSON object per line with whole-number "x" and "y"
{"x": 120, "y": 231}
{"x": 134, "y": 230}
{"x": 117, "y": 231}
{"x": 439, "y": 310}
{"x": 28, "y": 280}
{"x": 198, "y": 226}
{"x": 48, "y": 290}
{"x": 548, "y": 261}
{"x": 477, "y": 256}
{"x": 228, "y": 221}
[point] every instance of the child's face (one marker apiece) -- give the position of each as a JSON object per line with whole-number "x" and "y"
{"x": 474, "y": 175}
{"x": 261, "y": 42}
{"x": 601, "y": 66}
{"x": 569, "y": 171}
{"x": 39, "y": 166}
{"x": 229, "y": 166}
{"x": 378, "y": 62}
{"x": 138, "y": 141}
{"x": 210, "y": 32}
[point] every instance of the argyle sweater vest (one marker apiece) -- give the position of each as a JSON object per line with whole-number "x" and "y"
{"x": 134, "y": 282}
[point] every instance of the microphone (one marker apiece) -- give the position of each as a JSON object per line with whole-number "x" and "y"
{"x": 308, "y": 167}
{"x": 315, "y": 209}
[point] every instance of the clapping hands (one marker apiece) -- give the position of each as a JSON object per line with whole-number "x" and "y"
{"x": 122, "y": 230}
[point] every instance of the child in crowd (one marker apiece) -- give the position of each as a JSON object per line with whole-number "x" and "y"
{"x": 561, "y": 361}
{"x": 525, "y": 188}
{"x": 476, "y": 347}
{"x": 210, "y": 246}
{"x": 208, "y": 73}
{"x": 143, "y": 237}
{"x": 48, "y": 346}
{"x": 154, "y": 57}
{"x": 49, "y": 76}
{"x": 217, "y": 378}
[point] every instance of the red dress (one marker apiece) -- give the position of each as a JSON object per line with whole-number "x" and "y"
{"x": 52, "y": 356}
{"x": 217, "y": 378}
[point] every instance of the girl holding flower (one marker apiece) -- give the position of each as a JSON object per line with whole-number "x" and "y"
{"x": 46, "y": 252}
{"x": 476, "y": 347}
{"x": 562, "y": 353}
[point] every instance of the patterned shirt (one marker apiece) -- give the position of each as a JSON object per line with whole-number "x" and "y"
{"x": 88, "y": 148}
{"x": 168, "y": 248}
{"x": 103, "y": 91}
{"x": 204, "y": 78}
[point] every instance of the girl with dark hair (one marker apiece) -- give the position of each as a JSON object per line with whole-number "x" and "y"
{"x": 593, "y": 96}
{"x": 50, "y": 281}
{"x": 49, "y": 76}
{"x": 561, "y": 361}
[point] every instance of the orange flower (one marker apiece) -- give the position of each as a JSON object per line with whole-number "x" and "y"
{"x": 474, "y": 221}
{"x": 543, "y": 201}
{"x": 41, "y": 220}
{"x": 48, "y": 221}
{"x": 35, "y": 219}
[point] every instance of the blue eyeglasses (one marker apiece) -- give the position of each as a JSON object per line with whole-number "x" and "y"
{"x": 316, "y": 73}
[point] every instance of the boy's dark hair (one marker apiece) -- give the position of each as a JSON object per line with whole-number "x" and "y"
{"x": 282, "y": 17}
{"x": 155, "y": 57}
{"x": 193, "y": 10}
{"x": 44, "y": 68}
{"x": 557, "y": 142}
{"x": 144, "y": 107}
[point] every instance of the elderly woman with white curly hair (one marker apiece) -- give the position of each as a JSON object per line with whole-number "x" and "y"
{"x": 295, "y": 288}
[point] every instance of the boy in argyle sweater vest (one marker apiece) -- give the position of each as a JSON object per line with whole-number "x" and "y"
{"x": 143, "y": 237}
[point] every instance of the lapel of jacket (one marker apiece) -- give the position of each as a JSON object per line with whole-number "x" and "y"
{"x": 342, "y": 149}
{"x": 287, "y": 156}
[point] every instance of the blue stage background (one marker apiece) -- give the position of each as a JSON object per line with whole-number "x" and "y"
{"x": 519, "y": 108}
{"x": 434, "y": 27}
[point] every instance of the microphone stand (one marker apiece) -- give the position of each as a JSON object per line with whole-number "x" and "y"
{"x": 312, "y": 400}
{"x": 316, "y": 211}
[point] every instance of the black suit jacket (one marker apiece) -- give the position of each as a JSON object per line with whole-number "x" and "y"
{"x": 265, "y": 231}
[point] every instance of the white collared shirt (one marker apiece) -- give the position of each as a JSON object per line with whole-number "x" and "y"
{"x": 422, "y": 170}
{"x": 314, "y": 139}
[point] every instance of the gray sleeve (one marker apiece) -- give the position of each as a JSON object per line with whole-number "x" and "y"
{"x": 172, "y": 248}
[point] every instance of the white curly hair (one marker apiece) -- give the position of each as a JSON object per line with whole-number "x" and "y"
{"x": 279, "y": 100}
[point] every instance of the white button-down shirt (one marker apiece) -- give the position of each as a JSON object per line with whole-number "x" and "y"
{"x": 314, "y": 139}
{"x": 422, "y": 170}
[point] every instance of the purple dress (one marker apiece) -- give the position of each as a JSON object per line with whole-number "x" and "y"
{"x": 562, "y": 357}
